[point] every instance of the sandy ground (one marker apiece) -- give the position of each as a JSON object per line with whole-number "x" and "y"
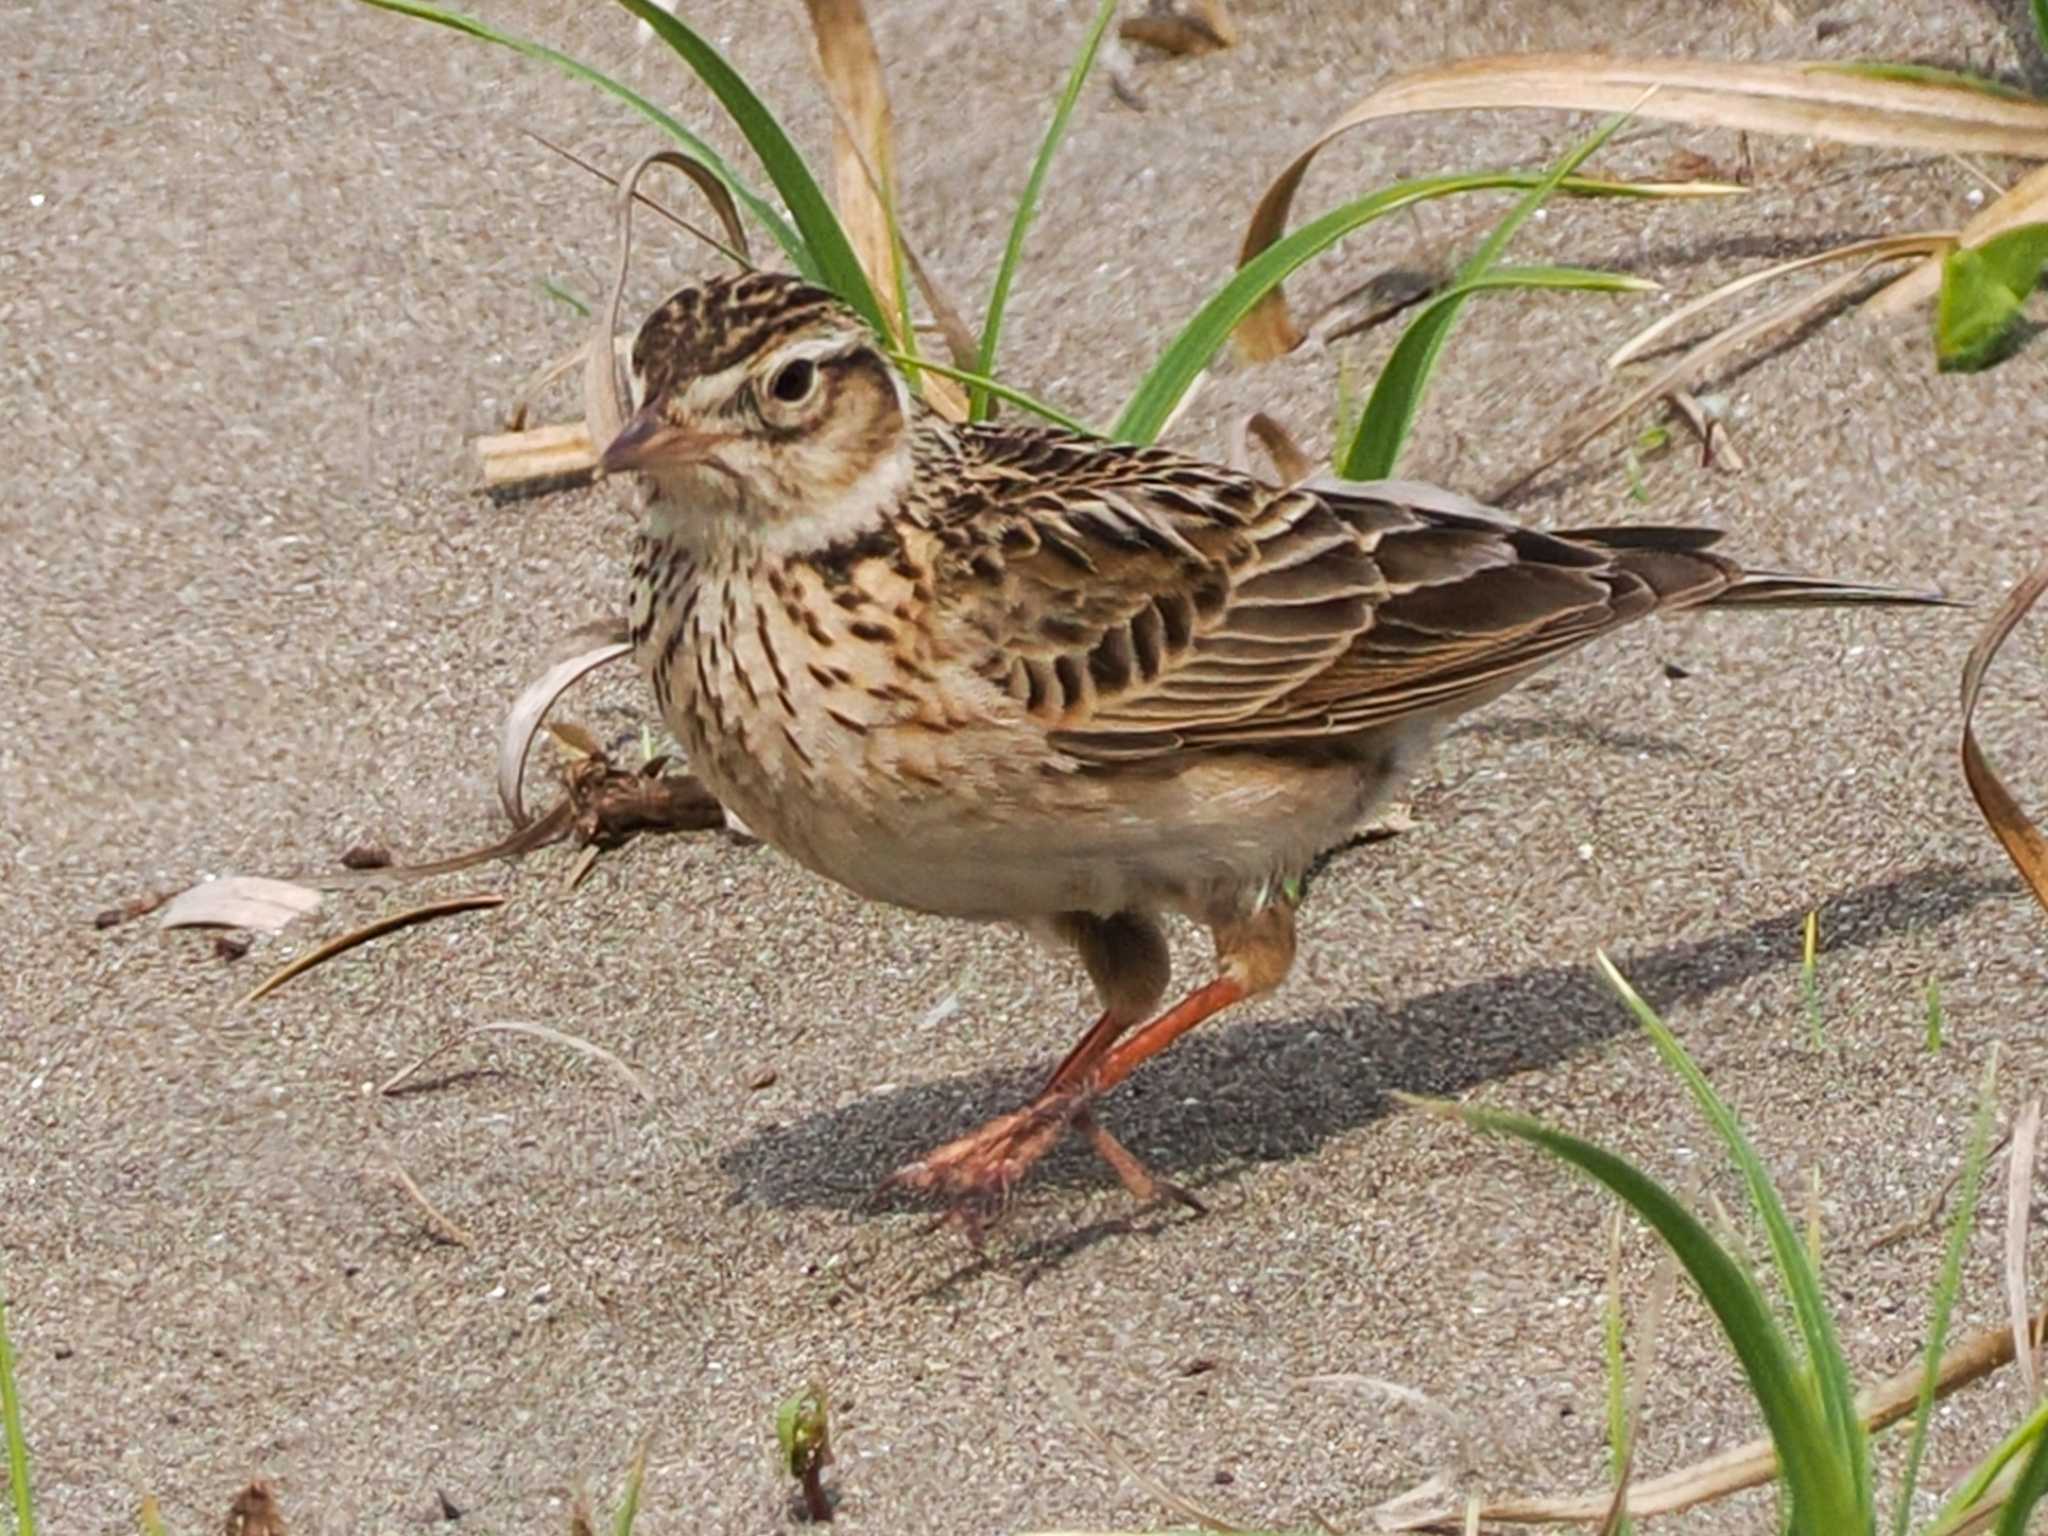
{"x": 266, "y": 266}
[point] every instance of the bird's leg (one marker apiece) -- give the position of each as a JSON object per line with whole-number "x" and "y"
{"x": 977, "y": 1171}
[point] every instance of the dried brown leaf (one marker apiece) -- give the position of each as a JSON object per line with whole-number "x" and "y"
{"x": 240, "y": 901}
{"x": 1190, "y": 27}
{"x": 2023, "y": 842}
{"x": 1821, "y": 101}
{"x": 383, "y": 925}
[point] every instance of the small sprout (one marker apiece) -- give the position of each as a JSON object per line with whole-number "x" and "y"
{"x": 1933, "y": 1016}
{"x": 1809, "y": 981}
{"x": 562, "y": 295}
{"x": 802, "y": 1430}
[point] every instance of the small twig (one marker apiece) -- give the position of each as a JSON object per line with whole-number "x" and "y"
{"x": 372, "y": 930}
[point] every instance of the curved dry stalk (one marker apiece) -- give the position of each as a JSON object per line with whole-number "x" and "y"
{"x": 604, "y": 406}
{"x": 2022, "y": 840}
{"x": 522, "y": 721}
{"x": 1888, "y": 246}
{"x": 2025, "y": 203}
{"x": 737, "y": 255}
{"x": 389, "y": 923}
{"x": 1824, "y": 101}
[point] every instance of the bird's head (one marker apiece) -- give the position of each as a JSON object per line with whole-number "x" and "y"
{"x": 769, "y": 419}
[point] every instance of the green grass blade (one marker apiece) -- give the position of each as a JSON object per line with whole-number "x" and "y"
{"x": 2041, "y": 23}
{"x": 2031, "y": 1433}
{"x": 1397, "y": 392}
{"x": 1160, "y": 391}
{"x": 1618, "y": 1447}
{"x": 771, "y": 219}
{"x": 1934, "y": 992}
{"x": 1920, "y": 74}
{"x": 838, "y": 268}
{"x": 1027, "y": 205}
{"x": 629, "y": 1503}
{"x": 1384, "y": 429}
{"x": 999, "y": 390}
{"x": 1945, "y": 1288}
{"x": 2026, "y": 1493}
{"x": 17, "y": 1442}
{"x": 1848, "y": 1460}
{"x": 1818, "y": 1494}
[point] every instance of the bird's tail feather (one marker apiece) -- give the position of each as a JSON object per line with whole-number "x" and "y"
{"x": 1782, "y": 589}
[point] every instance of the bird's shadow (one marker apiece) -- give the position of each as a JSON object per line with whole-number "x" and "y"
{"x": 1266, "y": 1091}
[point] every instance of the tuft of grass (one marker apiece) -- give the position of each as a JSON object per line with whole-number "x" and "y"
{"x": 17, "y": 1442}
{"x": 1397, "y": 395}
{"x": 1805, "y": 1394}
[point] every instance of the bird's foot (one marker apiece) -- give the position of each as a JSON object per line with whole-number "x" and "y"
{"x": 975, "y": 1174}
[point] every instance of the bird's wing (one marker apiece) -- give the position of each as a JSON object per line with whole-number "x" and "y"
{"x": 1138, "y": 603}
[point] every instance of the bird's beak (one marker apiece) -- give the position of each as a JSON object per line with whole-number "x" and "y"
{"x": 650, "y": 441}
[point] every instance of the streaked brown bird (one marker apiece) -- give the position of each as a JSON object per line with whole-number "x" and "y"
{"x": 1017, "y": 674}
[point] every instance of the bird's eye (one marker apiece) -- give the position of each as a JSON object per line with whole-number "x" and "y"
{"x": 793, "y": 381}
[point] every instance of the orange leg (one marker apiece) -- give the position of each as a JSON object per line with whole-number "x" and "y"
{"x": 977, "y": 1172}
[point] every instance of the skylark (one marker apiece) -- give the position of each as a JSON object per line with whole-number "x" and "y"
{"x": 1012, "y": 673}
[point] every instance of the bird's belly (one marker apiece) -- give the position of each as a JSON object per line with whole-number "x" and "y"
{"x": 1011, "y": 837}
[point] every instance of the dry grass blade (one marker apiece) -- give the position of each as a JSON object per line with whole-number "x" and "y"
{"x": 863, "y": 148}
{"x": 373, "y": 930}
{"x": 627, "y": 1074}
{"x": 240, "y": 901}
{"x": 604, "y": 404}
{"x": 1747, "y": 1465}
{"x": 941, "y": 393}
{"x": 438, "y": 1225}
{"x": 523, "y": 721}
{"x": 2026, "y": 203}
{"x": 2023, "y": 841}
{"x": 2019, "y": 1200}
{"x": 1808, "y": 100}
{"x": 1589, "y": 424}
{"x": 734, "y": 253}
{"x": 1890, "y": 246}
